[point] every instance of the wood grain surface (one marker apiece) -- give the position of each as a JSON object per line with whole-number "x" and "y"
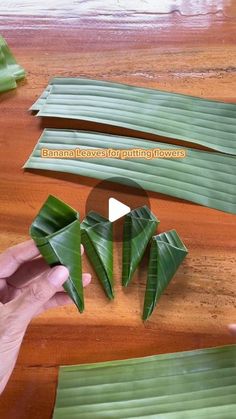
{"x": 180, "y": 46}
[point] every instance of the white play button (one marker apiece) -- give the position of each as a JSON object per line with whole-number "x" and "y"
{"x": 117, "y": 209}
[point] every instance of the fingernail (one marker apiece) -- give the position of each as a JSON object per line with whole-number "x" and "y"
{"x": 86, "y": 279}
{"x": 58, "y": 275}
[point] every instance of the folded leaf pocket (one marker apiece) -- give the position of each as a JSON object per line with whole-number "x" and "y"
{"x": 56, "y": 232}
{"x": 166, "y": 254}
{"x": 97, "y": 238}
{"x": 10, "y": 70}
{"x": 139, "y": 226}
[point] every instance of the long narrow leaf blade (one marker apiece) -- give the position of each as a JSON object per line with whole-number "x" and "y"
{"x": 139, "y": 226}
{"x": 56, "y": 232}
{"x": 166, "y": 254}
{"x": 97, "y": 238}
{"x": 206, "y": 122}
{"x": 202, "y": 177}
{"x": 198, "y": 384}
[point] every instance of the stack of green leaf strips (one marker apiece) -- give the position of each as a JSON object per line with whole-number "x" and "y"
{"x": 56, "y": 232}
{"x": 10, "y": 71}
{"x": 206, "y": 178}
{"x": 199, "y": 384}
{"x": 206, "y": 122}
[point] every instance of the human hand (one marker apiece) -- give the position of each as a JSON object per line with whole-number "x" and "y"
{"x": 27, "y": 287}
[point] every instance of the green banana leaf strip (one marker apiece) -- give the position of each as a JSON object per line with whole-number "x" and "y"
{"x": 10, "y": 71}
{"x": 139, "y": 226}
{"x": 196, "y": 120}
{"x": 166, "y": 254}
{"x": 97, "y": 238}
{"x": 206, "y": 178}
{"x": 56, "y": 232}
{"x": 199, "y": 384}
{"x": 41, "y": 100}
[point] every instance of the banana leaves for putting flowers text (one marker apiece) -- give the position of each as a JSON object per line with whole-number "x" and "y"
{"x": 56, "y": 232}
{"x": 198, "y": 384}
{"x": 139, "y": 226}
{"x": 97, "y": 238}
{"x": 166, "y": 254}
{"x": 202, "y": 177}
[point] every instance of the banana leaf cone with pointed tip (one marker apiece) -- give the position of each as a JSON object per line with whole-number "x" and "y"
{"x": 56, "y": 232}
{"x": 166, "y": 254}
{"x": 139, "y": 226}
{"x": 97, "y": 238}
{"x": 10, "y": 70}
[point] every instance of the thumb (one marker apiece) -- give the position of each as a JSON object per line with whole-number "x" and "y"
{"x": 39, "y": 292}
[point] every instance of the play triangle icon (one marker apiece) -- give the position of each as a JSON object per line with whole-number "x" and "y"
{"x": 116, "y": 209}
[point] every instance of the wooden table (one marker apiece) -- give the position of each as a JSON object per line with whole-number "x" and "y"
{"x": 179, "y": 47}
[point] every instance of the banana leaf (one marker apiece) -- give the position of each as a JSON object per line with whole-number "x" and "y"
{"x": 56, "y": 232}
{"x": 199, "y": 384}
{"x": 206, "y": 178}
{"x": 40, "y": 101}
{"x": 139, "y": 226}
{"x": 15, "y": 69}
{"x": 166, "y": 254}
{"x": 10, "y": 70}
{"x": 7, "y": 80}
{"x": 196, "y": 120}
{"x": 97, "y": 238}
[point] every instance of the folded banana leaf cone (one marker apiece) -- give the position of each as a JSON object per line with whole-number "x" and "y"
{"x": 10, "y": 70}
{"x": 56, "y": 232}
{"x": 166, "y": 254}
{"x": 97, "y": 238}
{"x": 139, "y": 226}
